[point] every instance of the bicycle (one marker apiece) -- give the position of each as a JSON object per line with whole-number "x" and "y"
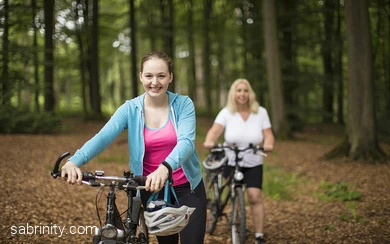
{"x": 220, "y": 191}
{"x": 116, "y": 229}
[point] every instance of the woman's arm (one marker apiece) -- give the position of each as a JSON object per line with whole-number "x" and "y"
{"x": 269, "y": 139}
{"x": 212, "y": 135}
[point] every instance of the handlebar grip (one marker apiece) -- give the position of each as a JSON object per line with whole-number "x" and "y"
{"x": 140, "y": 179}
{"x": 55, "y": 172}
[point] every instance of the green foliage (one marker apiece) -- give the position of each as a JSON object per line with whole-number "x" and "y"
{"x": 13, "y": 120}
{"x": 352, "y": 216}
{"x": 277, "y": 184}
{"x": 339, "y": 191}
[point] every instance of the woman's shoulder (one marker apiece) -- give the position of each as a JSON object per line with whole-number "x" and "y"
{"x": 262, "y": 109}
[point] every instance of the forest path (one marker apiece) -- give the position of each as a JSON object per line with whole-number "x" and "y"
{"x": 30, "y": 197}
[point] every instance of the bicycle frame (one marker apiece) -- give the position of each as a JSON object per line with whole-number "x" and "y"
{"x": 235, "y": 193}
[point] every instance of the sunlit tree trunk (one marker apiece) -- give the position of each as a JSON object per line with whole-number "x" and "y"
{"x": 49, "y": 55}
{"x": 279, "y": 121}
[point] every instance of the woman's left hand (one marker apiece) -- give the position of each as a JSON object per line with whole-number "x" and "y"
{"x": 156, "y": 180}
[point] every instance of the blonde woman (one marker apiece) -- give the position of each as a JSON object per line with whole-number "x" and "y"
{"x": 244, "y": 121}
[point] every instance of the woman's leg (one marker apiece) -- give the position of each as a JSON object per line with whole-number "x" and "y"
{"x": 195, "y": 230}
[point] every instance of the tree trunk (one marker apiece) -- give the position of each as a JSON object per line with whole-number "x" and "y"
{"x": 5, "y": 94}
{"x": 327, "y": 57}
{"x": 280, "y": 125}
{"x": 361, "y": 139}
{"x": 94, "y": 85}
{"x": 133, "y": 54}
{"x": 339, "y": 68}
{"x": 83, "y": 63}
{"x": 207, "y": 4}
{"x": 49, "y": 56}
{"x": 191, "y": 48}
{"x": 35, "y": 57}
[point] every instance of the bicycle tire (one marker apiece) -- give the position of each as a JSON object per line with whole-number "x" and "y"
{"x": 238, "y": 217}
{"x": 143, "y": 235}
{"x": 212, "y": 202}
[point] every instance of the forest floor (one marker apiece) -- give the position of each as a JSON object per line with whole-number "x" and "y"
{"x": 35, "y": 207}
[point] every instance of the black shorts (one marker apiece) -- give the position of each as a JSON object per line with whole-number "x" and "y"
{"x": 253, "y": 177}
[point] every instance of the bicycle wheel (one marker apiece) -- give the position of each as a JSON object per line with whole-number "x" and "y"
{"x": 238, "y": 217}
{"x": 212, "y": 202}
{"x": 143, "y": 230}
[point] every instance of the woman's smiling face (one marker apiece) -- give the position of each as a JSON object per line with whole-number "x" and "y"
{"x": 241, "y": 94}
{"x": 155, "y": 77}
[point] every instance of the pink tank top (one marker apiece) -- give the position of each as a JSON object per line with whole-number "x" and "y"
{"x": 159, "y": 143}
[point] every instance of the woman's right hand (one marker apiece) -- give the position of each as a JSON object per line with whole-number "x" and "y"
{"x": 71, "y": 173}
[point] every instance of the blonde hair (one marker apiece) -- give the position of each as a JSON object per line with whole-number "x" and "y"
{"x": 231, "y": 105}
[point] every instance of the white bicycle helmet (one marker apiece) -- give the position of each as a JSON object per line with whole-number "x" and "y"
{"x": 163, "y": 220}
{"x": 215, "y": 160}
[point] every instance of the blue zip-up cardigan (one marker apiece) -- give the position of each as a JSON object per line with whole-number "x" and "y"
{"x": 130, "y": 116}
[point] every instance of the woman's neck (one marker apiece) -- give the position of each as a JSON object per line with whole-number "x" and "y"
{"x": 242, "y": 108}
{"x": 156, "y": 102}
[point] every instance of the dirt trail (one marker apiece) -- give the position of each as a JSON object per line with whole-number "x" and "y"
{"x": 30, "y": 198}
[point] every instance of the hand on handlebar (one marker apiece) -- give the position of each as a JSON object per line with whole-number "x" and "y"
{"x": 268, "y": 147}
{"x": 208, "y": 144}
{"x": 155, "y": 181}
{"x": 71, "y": 173}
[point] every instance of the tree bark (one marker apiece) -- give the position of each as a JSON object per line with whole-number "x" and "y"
{"x": 207, "y": 5}
{"x": 279, "y": 121}
{"x": 328, "y": 61}
{"x": 49, "y": 56}
{"x": 94, "y": 85}
{"x": 361, "y": 139}
{"x": 133, "y": 54}
{"x": 5, "y": 94}
{"x": 191, "y": 48}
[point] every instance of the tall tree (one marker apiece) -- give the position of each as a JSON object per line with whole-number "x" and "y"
{"x": 207, "y": 9}
{"x": 191, "y": 49}
{"x": 328, "y": 60}
{"x": 35, "y": 56}
{"x": 167, "y": 19}
{"x": 133, "y": 53}
{"x": 278, "y": 115}
{"x": 338, "y": 67}
{"x": 49, "y": 55}
{"x": 361, "y": 136}
{"x": 83, "y": 61}
{"x": 5, "y": 95}
{"x": 94, "y": 85}
{"x": 5, "y": 98}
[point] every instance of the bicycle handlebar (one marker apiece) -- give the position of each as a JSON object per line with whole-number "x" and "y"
{"x": 127, "y": 181}
{"x": 257, "y": 149}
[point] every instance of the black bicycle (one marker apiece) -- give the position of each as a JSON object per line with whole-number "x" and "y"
{"x": 229, "y": 189}
{"x": 117, "y": 228}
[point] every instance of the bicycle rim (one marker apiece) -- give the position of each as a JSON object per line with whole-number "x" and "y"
{"x": 212, "y": 209}
{"x": 238, "y": 217}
